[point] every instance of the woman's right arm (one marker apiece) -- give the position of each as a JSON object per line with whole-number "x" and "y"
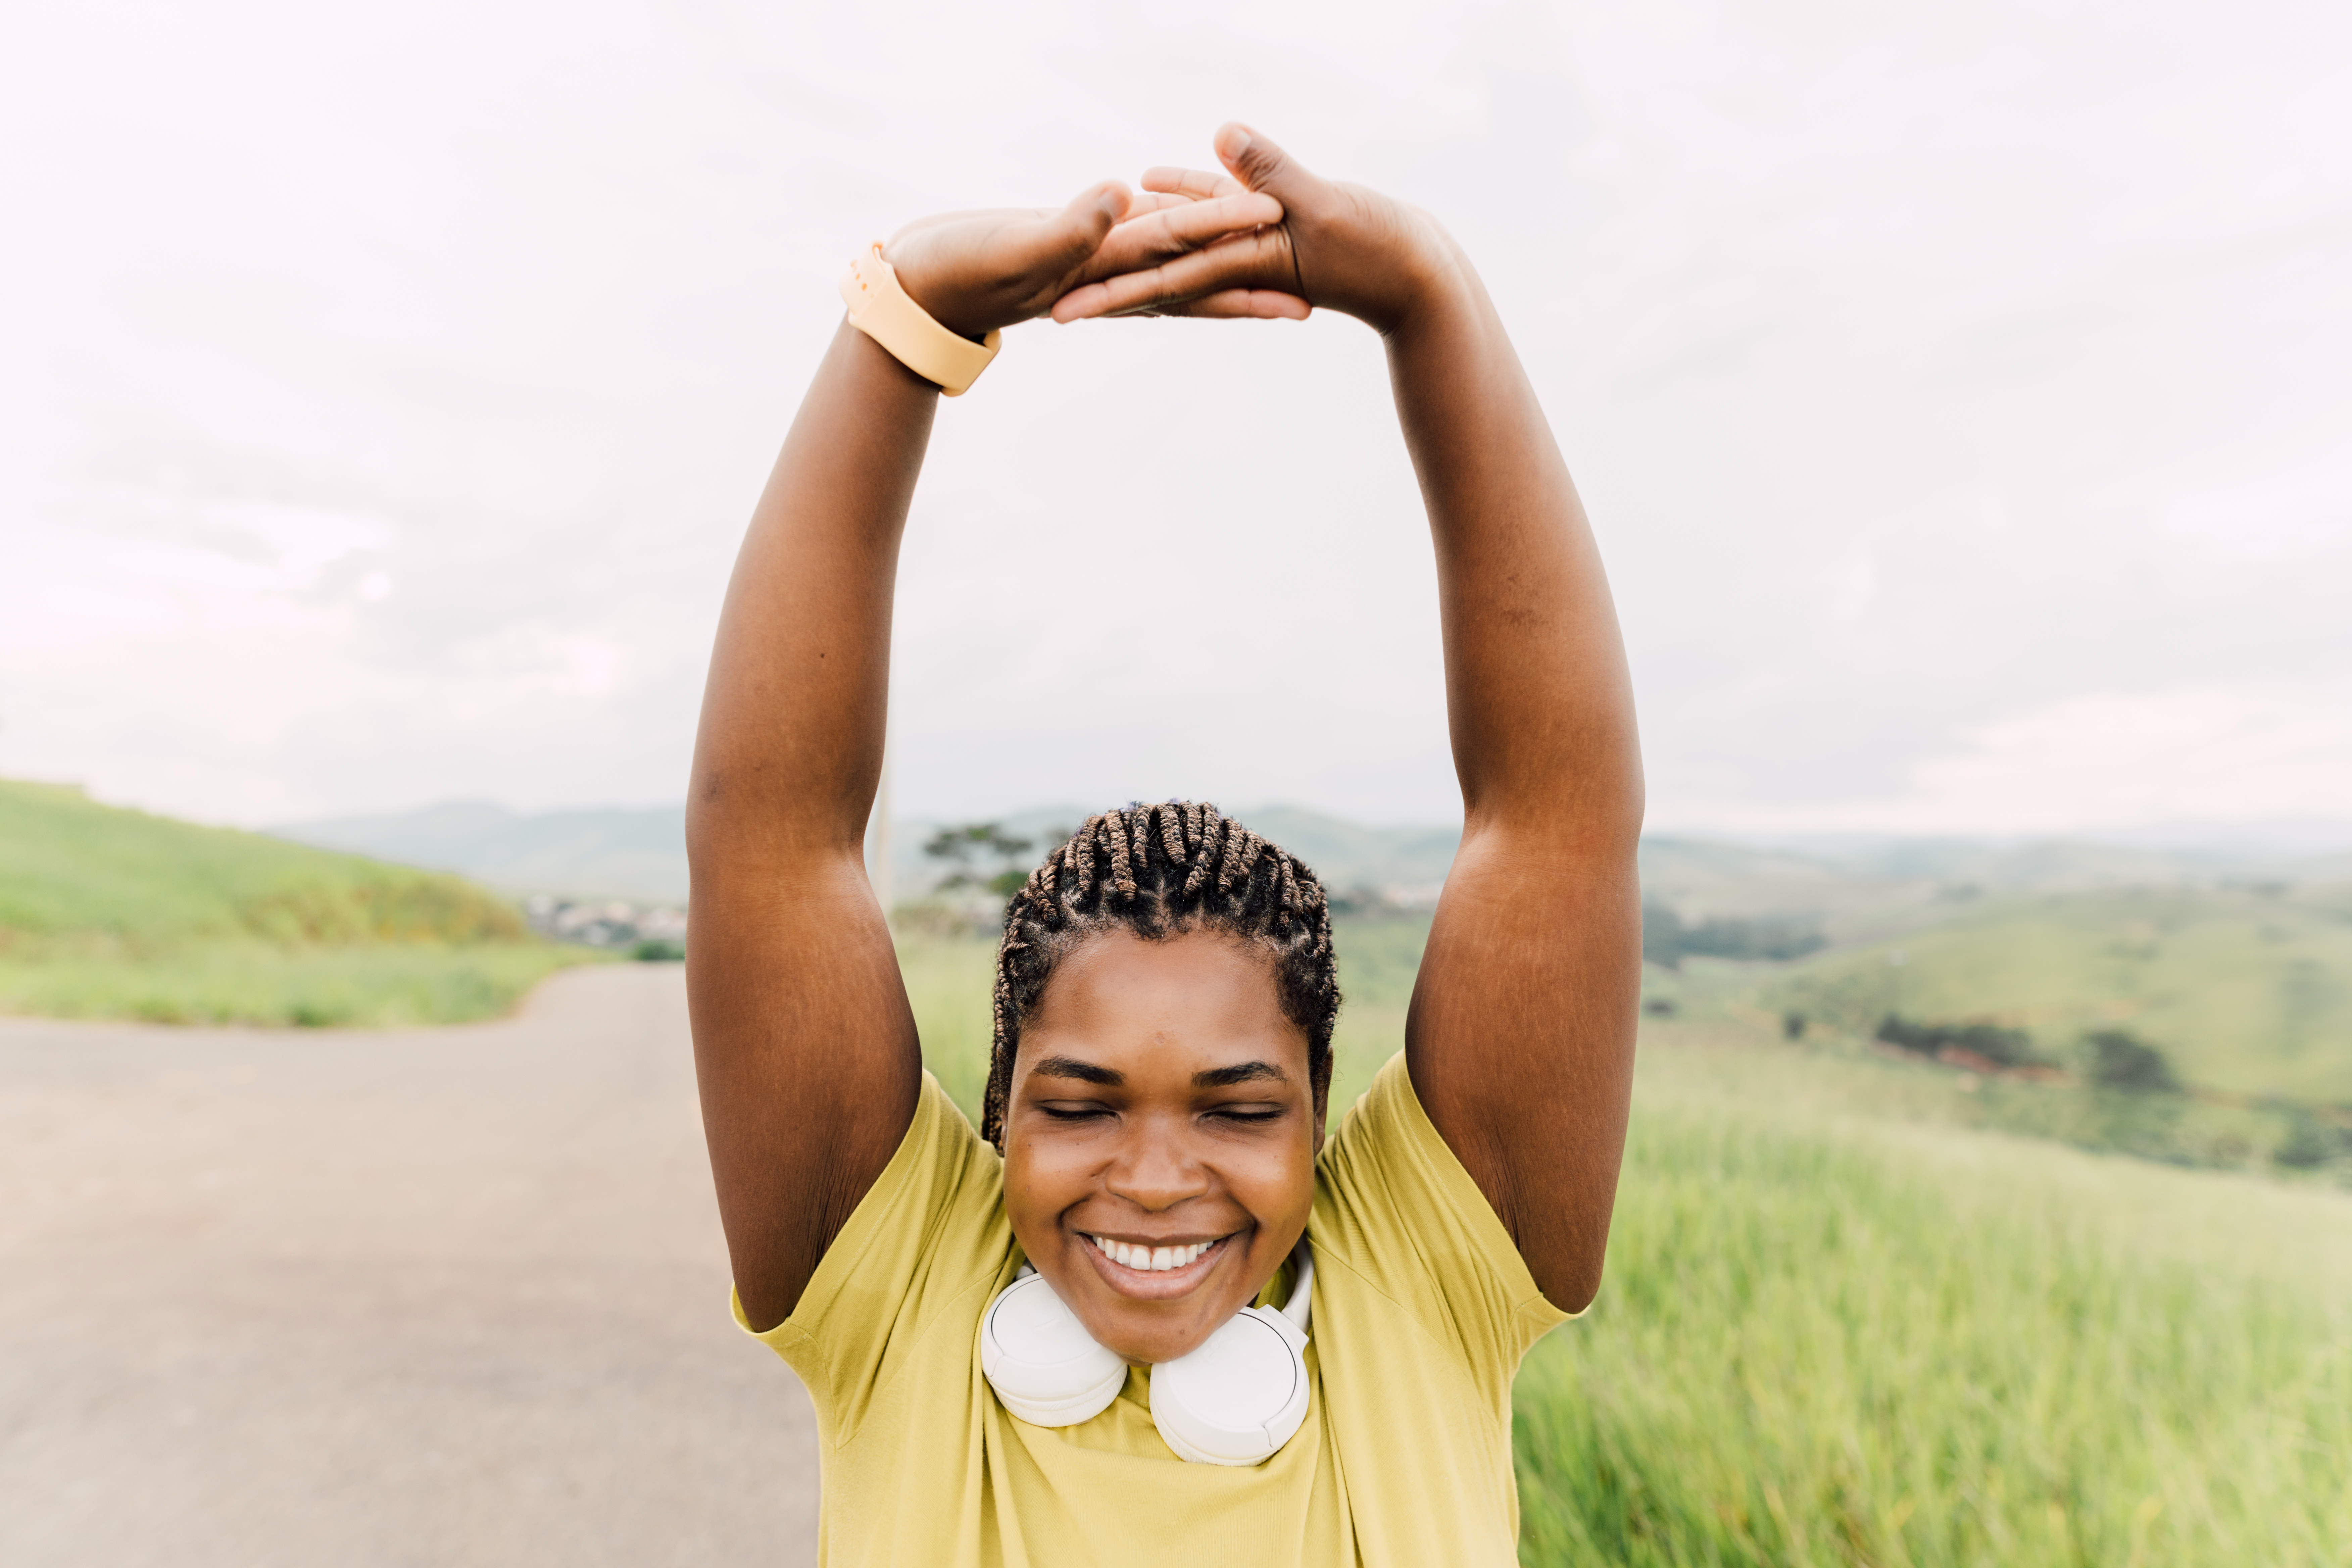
{"x": 803, "y": 1044}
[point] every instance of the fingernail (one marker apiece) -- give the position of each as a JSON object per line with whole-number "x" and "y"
{"x": 1240, "y": 142}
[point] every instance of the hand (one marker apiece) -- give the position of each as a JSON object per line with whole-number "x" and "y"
{"x": 1338, "y": 246}
{"x": 977, "y": 271}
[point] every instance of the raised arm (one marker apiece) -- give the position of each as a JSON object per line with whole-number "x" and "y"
{"x": 1520, "y": 1037}
{"x": 804, "y": 1045}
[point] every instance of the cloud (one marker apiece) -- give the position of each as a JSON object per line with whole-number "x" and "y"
{"x": 391, "y": 387}
{"x": 2208, "y": 752}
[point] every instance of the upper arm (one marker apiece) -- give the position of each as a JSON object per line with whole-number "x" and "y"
{"x": 807, "y": 1058}
{"x": 1520, "y": 1040}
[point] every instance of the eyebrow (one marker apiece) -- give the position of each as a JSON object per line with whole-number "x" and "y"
{"x": 1240, "y": 1072}
{"x": 1070, "y": 1066}
{"x": 1213, "y": 1077}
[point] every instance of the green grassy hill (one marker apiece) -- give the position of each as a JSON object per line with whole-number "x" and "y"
{"x": 2247, "y": 990}
{"x": 108, "y": 913}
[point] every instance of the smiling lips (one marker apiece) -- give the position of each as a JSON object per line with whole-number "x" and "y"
{"x": 1150, "y": 1260}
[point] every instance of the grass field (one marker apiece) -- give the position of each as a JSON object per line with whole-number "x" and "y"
{"x": 1843, "y": 1326}
{"x": 113, "y": 913}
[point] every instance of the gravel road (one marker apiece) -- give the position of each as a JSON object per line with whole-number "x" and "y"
{"x": 423, "y": 1296}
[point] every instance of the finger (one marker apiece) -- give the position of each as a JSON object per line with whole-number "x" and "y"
{"x": 1242, "y": 304}
{"x": 1199, "y": 184}
{"x": 1256, "y": 162}
{"x": 1258, "y": 259}
{"x": 1152, "y": 201}
{"x": 1176, "y": 230}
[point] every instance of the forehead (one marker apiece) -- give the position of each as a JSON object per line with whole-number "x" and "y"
{"x": 1199, "y": 992}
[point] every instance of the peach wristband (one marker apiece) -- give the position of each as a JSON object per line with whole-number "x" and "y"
{"x": 885, "y": 312}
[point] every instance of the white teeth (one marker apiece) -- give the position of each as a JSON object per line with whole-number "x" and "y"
{"x": 1150, "y": 1260}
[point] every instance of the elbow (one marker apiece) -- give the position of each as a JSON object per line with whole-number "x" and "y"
{"x": 1575, "y": 1288}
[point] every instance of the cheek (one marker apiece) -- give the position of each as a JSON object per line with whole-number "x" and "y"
{"x": 1274, "y": 1180}
{"x": 1041, "y": 1177}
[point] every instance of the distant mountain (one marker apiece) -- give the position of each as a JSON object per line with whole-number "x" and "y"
{"x": 2294, "y": 850}
{"x": 1860, "y": 888}
{"x": 612, "y": 854}
{"x": 1856, "y": 887}
{"x": 641, "y": 853}
{"x": 1348, "y": 856}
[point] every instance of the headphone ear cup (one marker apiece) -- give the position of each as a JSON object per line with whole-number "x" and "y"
{"x": 1045, "y": 1366}
{"x": 1240, "y": 1396}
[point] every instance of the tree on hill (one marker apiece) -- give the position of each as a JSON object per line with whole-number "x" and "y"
{"x": 2308, "y": 1143}
{"x": 965, "y": 847}
{"x": 2119, "y": 1059}
{"x": 1668, "y": 939}
{"x": 2002, "y": 1047}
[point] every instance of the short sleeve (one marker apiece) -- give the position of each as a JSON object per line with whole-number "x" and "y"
{"x": 1395, "y": 1207}
{"x": 928, "y": 1235}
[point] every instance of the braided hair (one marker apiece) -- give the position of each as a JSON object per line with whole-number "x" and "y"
{"x": 1160, "y": 871}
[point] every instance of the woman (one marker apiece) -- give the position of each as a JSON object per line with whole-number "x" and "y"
{"x": 1155, "y": 1144}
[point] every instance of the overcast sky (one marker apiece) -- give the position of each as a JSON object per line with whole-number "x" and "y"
{"x": 1960, "y": 394}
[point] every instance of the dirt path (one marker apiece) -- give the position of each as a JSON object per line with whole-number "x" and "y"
{"x": 434, "y": 1297}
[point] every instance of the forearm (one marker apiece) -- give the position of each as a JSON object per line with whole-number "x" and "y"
{"x": 790, "y": 746}
{"x": 1537, "y": 697}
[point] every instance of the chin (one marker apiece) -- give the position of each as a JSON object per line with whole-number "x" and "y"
{"x": 1150, "y": 1344}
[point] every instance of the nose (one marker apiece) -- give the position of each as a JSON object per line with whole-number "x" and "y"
{"x": 1153, "y": 1169}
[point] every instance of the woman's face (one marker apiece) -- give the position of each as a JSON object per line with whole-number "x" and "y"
{"x": 1160, "y": 1111}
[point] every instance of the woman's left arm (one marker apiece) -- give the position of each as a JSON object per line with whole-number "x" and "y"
{"x": 1520, "y": 1037}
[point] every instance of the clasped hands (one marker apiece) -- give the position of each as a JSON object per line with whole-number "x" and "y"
{"x": 1264, "y": 239}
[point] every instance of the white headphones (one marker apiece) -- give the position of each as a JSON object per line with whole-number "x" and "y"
{"x": 1235, "y": 1400}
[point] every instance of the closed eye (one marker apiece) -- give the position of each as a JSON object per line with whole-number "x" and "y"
{"x": 1075, "y": 1112}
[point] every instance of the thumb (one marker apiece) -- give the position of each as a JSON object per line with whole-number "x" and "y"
{"x": 1079, "y": 229}
{"x": 1257, "y": 163}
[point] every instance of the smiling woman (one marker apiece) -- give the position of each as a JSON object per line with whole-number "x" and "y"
{"x": 1151, "y": 1252}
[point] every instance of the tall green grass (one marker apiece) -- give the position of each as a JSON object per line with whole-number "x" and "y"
{"x": 113, "y": 913}
{"x": 1807, "y": 1351}
{"x": 948, "y": 981}
{"x": 1837, "y": 1328}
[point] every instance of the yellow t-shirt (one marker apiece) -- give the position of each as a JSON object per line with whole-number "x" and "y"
{"x": 1422, "y": 1312}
